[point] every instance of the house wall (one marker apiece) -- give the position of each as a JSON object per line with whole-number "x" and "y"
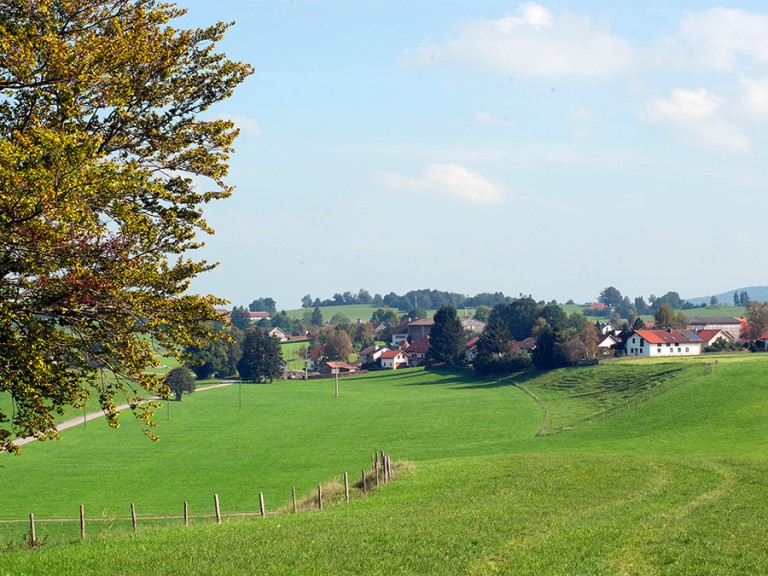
{"x": 637, "y": 346}
{"x": 732, "y": 329}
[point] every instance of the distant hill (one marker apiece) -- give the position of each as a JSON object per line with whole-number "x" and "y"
{"x": 759, "y": 293}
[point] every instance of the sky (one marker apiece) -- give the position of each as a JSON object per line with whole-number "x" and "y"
{"x": 548, "y": 148}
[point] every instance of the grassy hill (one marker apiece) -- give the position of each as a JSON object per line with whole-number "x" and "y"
{"x": 638, "y": 468}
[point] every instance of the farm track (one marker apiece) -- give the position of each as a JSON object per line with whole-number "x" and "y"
{"x": 72, "y": 422}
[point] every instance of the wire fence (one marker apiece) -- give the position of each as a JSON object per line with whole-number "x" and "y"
{"x": 381, "y": 472}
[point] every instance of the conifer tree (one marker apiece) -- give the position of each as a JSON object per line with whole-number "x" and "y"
{"x": 446, "y": 338}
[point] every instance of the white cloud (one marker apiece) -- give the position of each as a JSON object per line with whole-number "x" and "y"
{"x": 534, "y": 42}
{"x": 695, "y": 114}
{"x": 756, "y": 97}
{"x": 716, "y": 38}
{"x": 451, "y": 179}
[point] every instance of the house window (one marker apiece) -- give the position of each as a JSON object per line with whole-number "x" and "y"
{"x": 686, "y": 350}
{"x": 678, "y": 349}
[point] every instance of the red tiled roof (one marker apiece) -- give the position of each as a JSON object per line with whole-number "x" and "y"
{"x": 598, "y": 306}
{"x": 473, "y": 341}
{"x": 707, "y": 335}
{"x": 668, "y": 336}
{"x": 391, "y": 354}
{"x": 420, "y": 346}
{"x": 317, "y": 352}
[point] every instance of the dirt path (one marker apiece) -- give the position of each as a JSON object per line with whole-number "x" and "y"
{"x": 94, "y": 415}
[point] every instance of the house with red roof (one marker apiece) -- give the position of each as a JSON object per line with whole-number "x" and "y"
{"x": 655, "y": 343}
{"x": 394, "y": 359}
{"x": 417, "y": 351}
{"x": 471, "y": 348}
{"x": 315, "y": 357}
{"x": 710, "y": 337}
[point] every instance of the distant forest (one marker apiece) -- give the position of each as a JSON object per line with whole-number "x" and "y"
{"x": 433, "y": 299}
{"x": 426, "y": 298}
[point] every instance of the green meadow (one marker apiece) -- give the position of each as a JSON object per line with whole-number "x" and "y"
{"x": 631, "y": 467}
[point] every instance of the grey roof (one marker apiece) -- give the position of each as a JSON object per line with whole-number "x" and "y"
{"x": 701, "y": 320}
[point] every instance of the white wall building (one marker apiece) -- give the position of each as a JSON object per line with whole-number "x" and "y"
{"x": 663, "y": 343}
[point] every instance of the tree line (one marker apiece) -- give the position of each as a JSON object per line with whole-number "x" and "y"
{"x": 426, "y": 299}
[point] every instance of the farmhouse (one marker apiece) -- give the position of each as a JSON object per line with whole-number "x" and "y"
{"x": 472, "y": 325}
{"x": 608, "y": 341}
{"x": 371, "y": 353}
{"x": 728, "y": 324}
{"x": 663, "y": 343}
{"x": 710, "y": 337}
{"x": 274, "y": 332}
{"x": 417, "y": 351}
{"x": 336, "y": 368}
{"x": 394, "y": 359}
{"x": 420, "y": 328}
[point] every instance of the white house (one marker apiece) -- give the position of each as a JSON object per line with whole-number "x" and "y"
{"x": 663, "y": 343}
{"x": 394, "y": 359}
{"x": 608, "y": 341}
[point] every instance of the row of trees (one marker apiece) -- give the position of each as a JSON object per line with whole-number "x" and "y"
{"x": 426, "y": 298}
{"x": 561, "y": 340}
{"x": 249, "y": 353}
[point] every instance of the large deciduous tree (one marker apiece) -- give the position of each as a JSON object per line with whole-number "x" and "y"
{"x": 757, "y": 319}
{"x": 100, "y": 139}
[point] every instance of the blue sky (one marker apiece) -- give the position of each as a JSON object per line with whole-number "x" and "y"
{"x": 547, "y": 148}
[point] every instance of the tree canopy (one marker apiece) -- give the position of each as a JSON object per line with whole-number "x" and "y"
{"x": 447, "y": 338}
{"x": 261, "y": 359}
{"x": 100, "y": 138}
{"x": 180, "y": 380}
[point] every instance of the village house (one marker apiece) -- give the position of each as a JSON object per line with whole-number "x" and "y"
{"x": 710, "y": 337}
{"x": 274, "y": 332}
{"x": 336, "y": 368}
{"x": 371, "y": 353}
{"x": 394, "y": 359}
{"x": 471, "y": 349}
{"x": 417, "y": 351}
{"x": 727, "y": 324}
{"x": 654, "y": 343}
{"x": 315, "y": 357}
{"x": 472, "y": 325}
{"x": 607, "y": 342}
{"x": 419, "y": 329}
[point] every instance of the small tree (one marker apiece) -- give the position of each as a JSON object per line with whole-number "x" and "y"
{"x": 180, "y": 380}
{"x": 240, "y": 318}
{"x": 317, "y": 317}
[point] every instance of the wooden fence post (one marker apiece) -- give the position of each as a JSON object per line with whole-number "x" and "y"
{"x": 216, "y": 507}
{"x": 346, "y": 487}
{"x": 186, "y": 513}
{"x": 293, "y": 498}
{"x": 365, "y": 489}
{"x": 82, "y": 521}
{"x": 261, "y": 505}
{"x": 133, "y": 518}
{"x": 319, "y": 496}
{"x": 32, "y": 537}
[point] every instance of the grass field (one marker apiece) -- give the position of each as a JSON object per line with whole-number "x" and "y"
{"x": 638, "y": 468}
